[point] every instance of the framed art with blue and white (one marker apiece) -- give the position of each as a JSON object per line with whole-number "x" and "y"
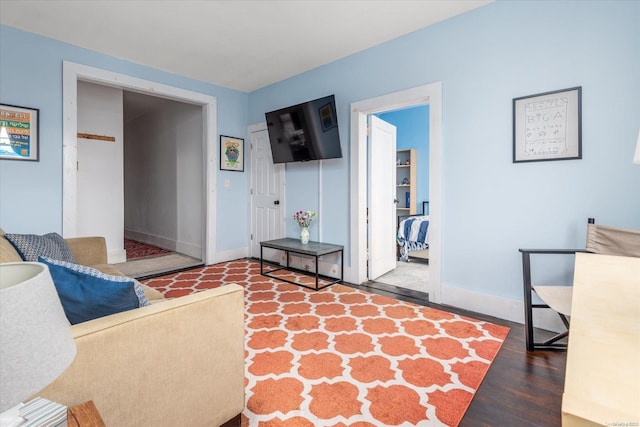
{"x": 19, "y": 133}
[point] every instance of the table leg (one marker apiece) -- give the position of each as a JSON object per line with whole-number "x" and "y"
{"x": 317, "y": 272}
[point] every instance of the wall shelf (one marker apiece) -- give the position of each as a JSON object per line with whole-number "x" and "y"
{"x": 408, "y": 172}
{"x": 96, "y": 137}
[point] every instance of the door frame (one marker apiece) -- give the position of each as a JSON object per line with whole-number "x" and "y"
{"x": 71, "y": 73}
{"x": 428, "y": 94}
{"x": 257, "y": 127}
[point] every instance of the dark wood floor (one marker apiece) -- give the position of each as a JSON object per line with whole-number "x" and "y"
{"x": 521, "y": 388}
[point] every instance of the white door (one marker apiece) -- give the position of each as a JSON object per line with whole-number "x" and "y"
{"x": 382, "y": 193}
{"x": 267, "y": 193}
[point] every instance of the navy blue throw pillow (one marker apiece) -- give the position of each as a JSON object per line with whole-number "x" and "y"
{"x": 86, "y": 296}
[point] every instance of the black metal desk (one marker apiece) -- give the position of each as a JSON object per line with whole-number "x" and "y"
{"x": 314, "y": 249}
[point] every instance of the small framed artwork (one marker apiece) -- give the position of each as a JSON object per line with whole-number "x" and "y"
{"x": 19, "y": 135}
{"x": 548, "y": 126}
{"x": 327, "y": 117}
{"x": 231, "y": 154}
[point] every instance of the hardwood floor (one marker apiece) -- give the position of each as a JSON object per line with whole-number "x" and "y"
{"x": 521, "y": 388}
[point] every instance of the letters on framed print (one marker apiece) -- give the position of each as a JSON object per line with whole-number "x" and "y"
{"x": 548, "y": 126}
{"x": 19, "y": 136}
{"x": 231, "y": 153}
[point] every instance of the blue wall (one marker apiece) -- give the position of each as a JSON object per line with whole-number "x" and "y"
{"x": 31, "y": 76}
{"x": 484, "y": 59}
{"x": 412, "y": 131}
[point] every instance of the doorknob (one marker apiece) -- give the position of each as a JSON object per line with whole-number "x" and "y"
{"x": 395, "y": 201}
{"x": 276, "y": 202}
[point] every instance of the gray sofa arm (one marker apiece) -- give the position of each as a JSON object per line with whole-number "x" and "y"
{"x": 178, "y": 362}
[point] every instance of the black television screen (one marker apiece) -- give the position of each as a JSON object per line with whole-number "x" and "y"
{"x": 307, "y": 131}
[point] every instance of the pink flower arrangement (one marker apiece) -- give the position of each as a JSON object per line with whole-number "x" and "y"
{"x": 304, "y": 218}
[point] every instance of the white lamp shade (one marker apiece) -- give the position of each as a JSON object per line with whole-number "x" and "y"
{"x": 36, "y": 344}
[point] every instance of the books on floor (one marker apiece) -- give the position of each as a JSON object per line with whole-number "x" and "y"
{"x": 41, "y": 412}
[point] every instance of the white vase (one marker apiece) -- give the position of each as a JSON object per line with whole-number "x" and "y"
{"x": 304, "y": 235}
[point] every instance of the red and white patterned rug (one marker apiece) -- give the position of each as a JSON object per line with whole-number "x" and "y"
{"x": 136, "y": 250}
{"x": 346, "y": 357}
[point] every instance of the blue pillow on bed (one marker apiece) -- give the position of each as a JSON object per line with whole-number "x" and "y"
{"x": 86, "y": 293}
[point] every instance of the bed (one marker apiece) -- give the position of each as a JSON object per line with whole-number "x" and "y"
{"x": 413, "y": 235}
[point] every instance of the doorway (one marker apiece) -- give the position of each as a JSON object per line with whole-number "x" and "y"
{"x": 72, "y": 73}
{"x": 411, "y": 180}
{"x": 163, "y": 197}
{"x": 429, "y": 94}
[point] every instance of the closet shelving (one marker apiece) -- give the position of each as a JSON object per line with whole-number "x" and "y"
{"x": 406, "y": 181}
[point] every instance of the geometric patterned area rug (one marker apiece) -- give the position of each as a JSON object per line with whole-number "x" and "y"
{"x": 345, "y": 357}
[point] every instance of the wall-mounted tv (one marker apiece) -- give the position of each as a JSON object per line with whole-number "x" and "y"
{"x": 307, "y": 131}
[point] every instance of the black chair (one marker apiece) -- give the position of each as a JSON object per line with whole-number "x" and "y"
{"x": 600, "y": 240}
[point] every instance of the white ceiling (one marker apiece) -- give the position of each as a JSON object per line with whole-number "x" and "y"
{"x": 241, "y": 44}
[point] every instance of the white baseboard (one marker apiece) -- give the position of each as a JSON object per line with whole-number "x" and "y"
{"x": 231, "y": 254}
{"x": 189, "y": 249}
{"x": 164, "y": 242}
{"x": 151, "y": 239}
{"x": 496, "y": 306}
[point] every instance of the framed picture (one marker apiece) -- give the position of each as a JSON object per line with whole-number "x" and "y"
{"x": 231, "y": 153}
{"x": 548, "y": 126}
{"x": 19, "y": 136}
{"x": 327, "y": 118}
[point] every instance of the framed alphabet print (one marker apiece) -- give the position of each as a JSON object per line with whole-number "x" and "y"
{"x": 548, "y": 126}
{"x": 231, "y": 153}
{"x": 19, "y": 136}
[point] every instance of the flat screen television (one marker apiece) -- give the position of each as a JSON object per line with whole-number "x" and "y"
{"x": 303, "y": 132}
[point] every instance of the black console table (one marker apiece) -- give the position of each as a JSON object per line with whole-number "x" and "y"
{"x": 314, "y": 249}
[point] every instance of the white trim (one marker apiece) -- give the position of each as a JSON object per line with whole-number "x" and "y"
{"x": 320, "y": 213}
{"x": 163, "y": 242}
{"x": 428, "y": 94}
{"x": 256, "y": 127}
{"x": 496, "y": 306}
{"x": 151, "y": 239}
{"x": 231, "y": 255}
{"x": 71, "y": 73}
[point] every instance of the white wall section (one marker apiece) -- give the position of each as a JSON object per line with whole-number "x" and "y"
{"x": 100, "y": 173}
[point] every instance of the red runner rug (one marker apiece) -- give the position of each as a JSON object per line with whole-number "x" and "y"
{"x": 346, "y": 357}
{"x": 137, "y": 250}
